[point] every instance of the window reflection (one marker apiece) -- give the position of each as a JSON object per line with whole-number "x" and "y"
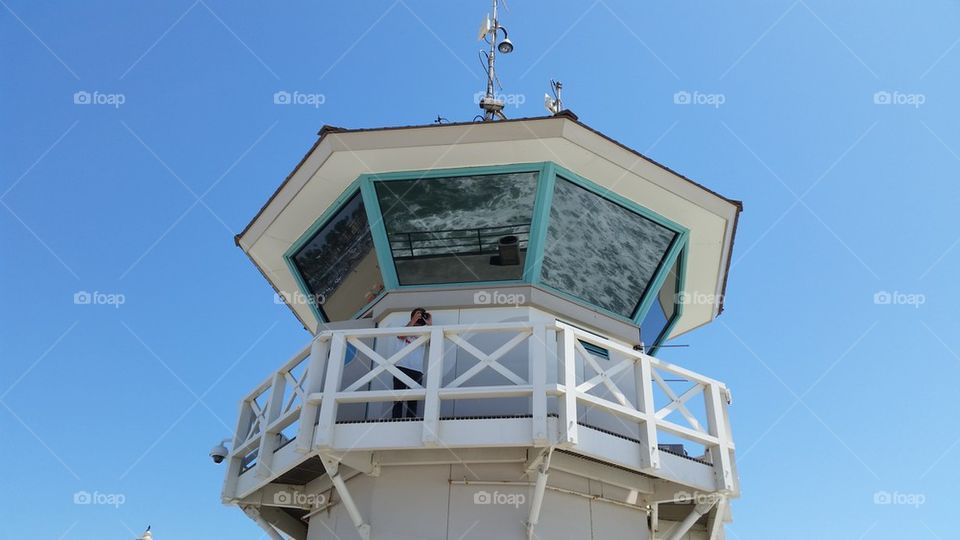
{"x": 339, "y": 265}
{"x": 458, "y": 229}
{"x": 599, "y": 251}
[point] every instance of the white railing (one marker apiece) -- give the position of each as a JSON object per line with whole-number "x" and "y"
{"x": 301, "y": 401}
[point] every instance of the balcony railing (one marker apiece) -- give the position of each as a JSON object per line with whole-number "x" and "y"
{"x": 542, "y": 375}
{"x": 475, "y": 241}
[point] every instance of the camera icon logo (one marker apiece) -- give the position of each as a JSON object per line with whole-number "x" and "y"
{"x": 282, "y": 497}
{"x": 281, "y": 98}
{"x": 482, "y": 297}
{"x": 82, "y": 298}
{"x": 882, "y": 98}
{"x": 682, "y": 98}
{"x": 882, "y": 298}
{"x": 482, "y": 497}
{"x": 882, "y": 497}
{"x": 82, "y": 497}
{"x": 82, "y": 98}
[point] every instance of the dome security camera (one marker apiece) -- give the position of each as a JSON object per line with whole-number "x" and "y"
{"x": 219, "y": 452}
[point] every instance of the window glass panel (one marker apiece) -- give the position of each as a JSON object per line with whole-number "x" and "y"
{"x": 458, "y": 229}
{"x": 599, "y": 251}
{"x": 662, "y": 309}
{"x": 339, "y": 265}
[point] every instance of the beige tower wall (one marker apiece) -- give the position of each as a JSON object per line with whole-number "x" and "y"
{"x": 432, "y": 502}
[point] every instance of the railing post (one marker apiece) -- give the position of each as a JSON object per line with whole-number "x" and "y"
{"x": 725, "y": 402}
{"x": 319, "y": 350}
{"x": 722, "y": 466}
{"x": 538, "y": 379}
{"x": 323, "y": 438}
{"x": 268, "y": 436}
{"x": 431, "y": 401}
{"x": 568, "y": 410}
{"x": 235, "y": 461}
{"x": 650, "y": 454}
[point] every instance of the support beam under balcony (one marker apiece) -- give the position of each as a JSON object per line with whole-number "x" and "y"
{"x": 333, "y": 470}
{"x": 539, "y": 490}
{"x": 254, "y": 514}
{"x": 287, "y": 524}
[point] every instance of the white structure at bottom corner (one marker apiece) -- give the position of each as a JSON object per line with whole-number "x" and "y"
{"x": 536, "y": 413}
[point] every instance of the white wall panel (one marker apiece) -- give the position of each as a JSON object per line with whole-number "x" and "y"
{"x": 614, "y": 522}
{"x": 410, "y": 503}
{"x": 431, "y": 502}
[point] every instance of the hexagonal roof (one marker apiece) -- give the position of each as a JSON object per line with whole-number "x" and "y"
{"x": 340, "y": 157}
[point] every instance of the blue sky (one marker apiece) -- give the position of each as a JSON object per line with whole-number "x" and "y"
{"x": 835, "y": 123}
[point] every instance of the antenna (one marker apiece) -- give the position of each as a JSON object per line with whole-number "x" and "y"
{"x": 554, "y": 105}
{"x": 493, "y": 107}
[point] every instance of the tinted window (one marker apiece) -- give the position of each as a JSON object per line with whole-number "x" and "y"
{"x": 458, "y": 229}
{"x": 339, "y": 265}
{"x": 599, "y": 251}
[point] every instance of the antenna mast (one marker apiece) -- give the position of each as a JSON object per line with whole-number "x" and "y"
{"x": 493, "y": 107}
{"x": 555, "y": 104}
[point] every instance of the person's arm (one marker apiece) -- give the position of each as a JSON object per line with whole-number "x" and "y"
{"x": 413, "y": 322}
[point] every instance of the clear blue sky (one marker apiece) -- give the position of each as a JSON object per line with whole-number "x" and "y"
{"x": 837, "y": 397}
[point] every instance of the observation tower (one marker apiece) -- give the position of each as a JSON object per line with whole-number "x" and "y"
{"x": 554, "y": 263}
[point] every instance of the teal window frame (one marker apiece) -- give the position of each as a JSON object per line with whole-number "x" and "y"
{"x": 678, "y": 306}
{"x": 548, "y": 172}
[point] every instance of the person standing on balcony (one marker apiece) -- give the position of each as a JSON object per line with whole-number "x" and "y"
{"x": 411, "y": 364}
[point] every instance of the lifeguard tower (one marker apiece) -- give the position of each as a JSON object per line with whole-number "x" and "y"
{"x": 555, "y": 262}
